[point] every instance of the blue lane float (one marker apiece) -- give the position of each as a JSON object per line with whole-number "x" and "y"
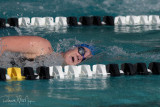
{"x": 71, "y": 71}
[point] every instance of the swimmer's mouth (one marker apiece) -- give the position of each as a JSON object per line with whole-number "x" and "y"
{"x": 72, "y": 59}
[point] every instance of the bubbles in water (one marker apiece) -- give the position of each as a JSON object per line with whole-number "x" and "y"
{"x": 41, "y": 7}
{"x": 4, "y": 13}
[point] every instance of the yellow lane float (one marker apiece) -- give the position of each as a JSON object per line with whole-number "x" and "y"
{"x": 15, "y": 73}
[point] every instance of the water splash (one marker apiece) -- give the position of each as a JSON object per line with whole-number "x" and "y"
{"x": 9, "y": 59}
{"x": 66, "y": 44}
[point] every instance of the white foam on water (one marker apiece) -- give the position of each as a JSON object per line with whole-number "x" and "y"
{"x": 66, "y": 44}
{"x": 9, "y": 59}
{"x": 115, "y": 50}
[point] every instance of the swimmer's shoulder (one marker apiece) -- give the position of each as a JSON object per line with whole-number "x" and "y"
{"x": 22, "y": 39}
{"x": 27, "y": 44}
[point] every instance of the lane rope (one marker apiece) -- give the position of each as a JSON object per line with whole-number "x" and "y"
{"x": 69, "y": 71}
{"x": 83, "y": 20}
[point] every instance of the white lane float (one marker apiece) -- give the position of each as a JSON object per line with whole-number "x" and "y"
{"x": 61, "y": 21}
{"x": 72, "y": 70}
{"x": 49, "y": 21}
{"x": 58, "y": 72}
{"x": 144, "y": 20}
{"x": 132, "y": 20}
{"x": 24, "y": 21}
{"x": 85, "y": 70}
{"x": 38, "y": 21}
{"x": 154, "y": 19}
{"x": 100, "y": 69}
{"x": 120, "y": 20}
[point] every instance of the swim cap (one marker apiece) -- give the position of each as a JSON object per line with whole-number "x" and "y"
{"x": 91, "y": 48}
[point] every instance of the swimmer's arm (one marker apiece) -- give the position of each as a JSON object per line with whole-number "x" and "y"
{"x": 29, "y": 46}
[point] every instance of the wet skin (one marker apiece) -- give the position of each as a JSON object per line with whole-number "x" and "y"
{"x": 72, "y": 57}
{"x": 33, "y": 46}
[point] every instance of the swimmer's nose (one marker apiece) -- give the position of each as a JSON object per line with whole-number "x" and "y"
{"x": 79, "y": 58}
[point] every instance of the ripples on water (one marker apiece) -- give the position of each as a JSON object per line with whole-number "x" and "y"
{"x": 78, "y": 8}
{"x": 118, "y": 44}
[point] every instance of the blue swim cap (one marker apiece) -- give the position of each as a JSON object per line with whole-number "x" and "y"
{"x": 91, "y": 48}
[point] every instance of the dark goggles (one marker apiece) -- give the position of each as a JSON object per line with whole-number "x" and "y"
{"x": 82, "y": 52}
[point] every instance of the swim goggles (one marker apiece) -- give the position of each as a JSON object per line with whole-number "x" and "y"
{"x": 82, "y": 52}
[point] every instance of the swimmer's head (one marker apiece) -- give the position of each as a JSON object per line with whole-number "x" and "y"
{"x": 77, "y": 54}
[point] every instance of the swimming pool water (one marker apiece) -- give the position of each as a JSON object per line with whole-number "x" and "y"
{"x": 116, "y": 45}
{"x": 124, "y": 91}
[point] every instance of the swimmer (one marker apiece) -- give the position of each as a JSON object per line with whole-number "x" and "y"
{"x": 31, "y": 47}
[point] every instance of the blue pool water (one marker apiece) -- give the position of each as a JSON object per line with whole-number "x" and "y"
{"x": 116, "y": 45}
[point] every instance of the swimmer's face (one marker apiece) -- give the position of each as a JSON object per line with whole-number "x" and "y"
{"x": 73, "y": 57}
